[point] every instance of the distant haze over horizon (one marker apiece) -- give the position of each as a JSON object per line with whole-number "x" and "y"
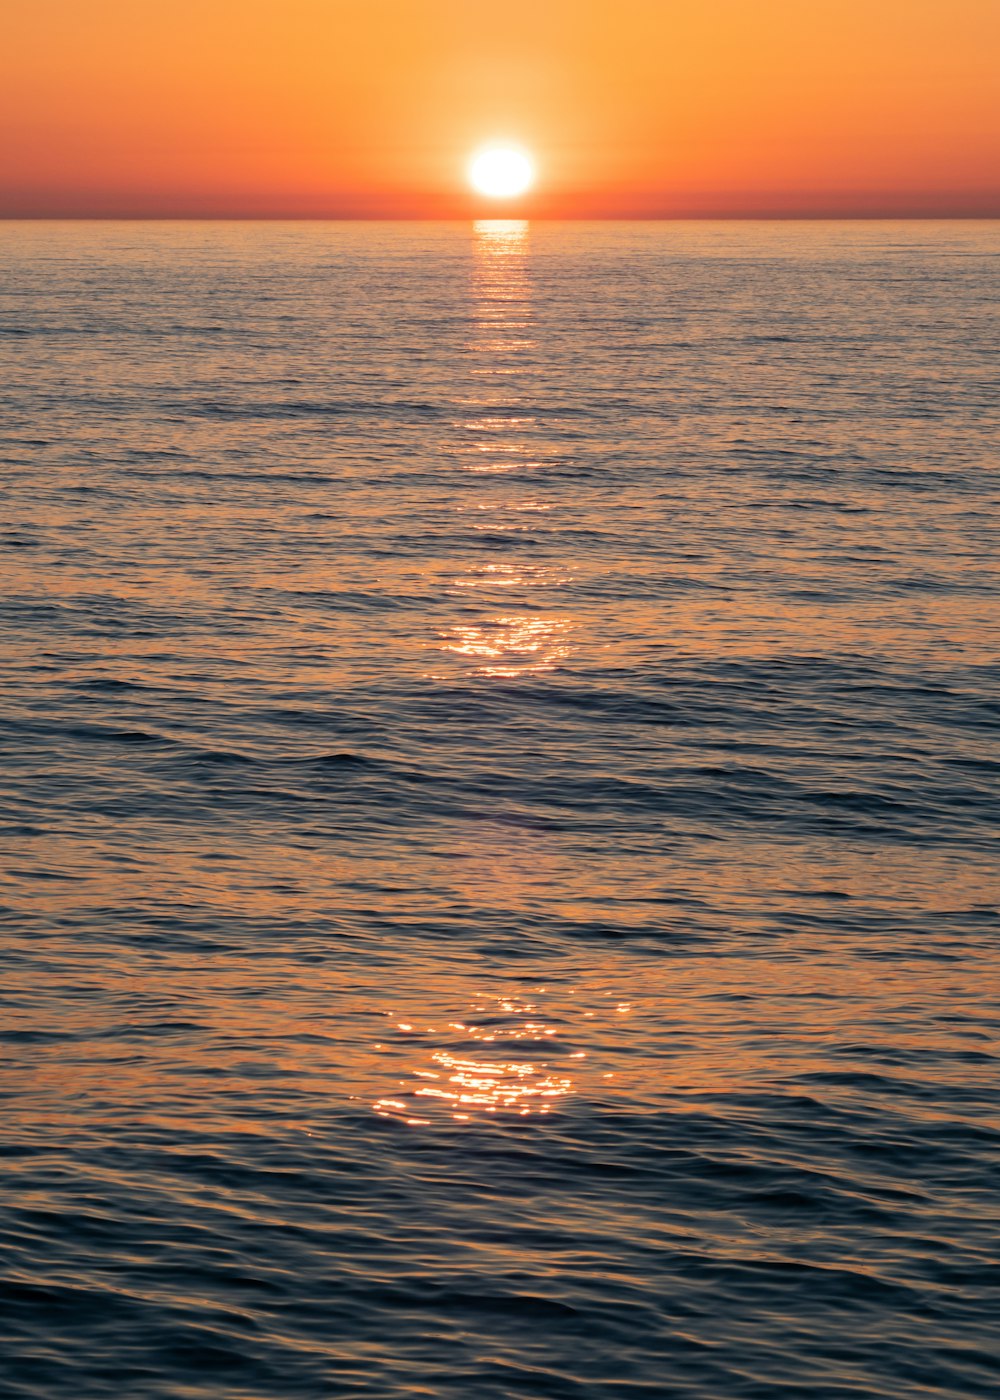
{"x": 637, "y": 109}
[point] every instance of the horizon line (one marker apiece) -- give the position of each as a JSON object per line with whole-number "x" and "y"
{"x": 513, "y": 216}
{"x": 299, "y": 205}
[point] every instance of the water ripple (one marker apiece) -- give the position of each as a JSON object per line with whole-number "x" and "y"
{"x": 499, "y": 786}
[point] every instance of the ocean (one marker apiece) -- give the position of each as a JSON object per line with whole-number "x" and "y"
{"x": 499, "y": 799}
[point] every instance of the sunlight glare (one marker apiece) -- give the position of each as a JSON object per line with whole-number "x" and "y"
{"x": 501, "y": 171}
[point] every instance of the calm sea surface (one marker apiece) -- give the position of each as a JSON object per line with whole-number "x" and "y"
{"x": 499, "y": 796}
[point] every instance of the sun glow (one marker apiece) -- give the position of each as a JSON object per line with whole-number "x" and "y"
{"x": 501, "y": 172}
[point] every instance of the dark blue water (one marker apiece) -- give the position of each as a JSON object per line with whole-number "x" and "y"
{"x": 499, "y": 802}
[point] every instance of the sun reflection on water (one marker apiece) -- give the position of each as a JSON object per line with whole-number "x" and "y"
{"x": 501, "y": 344}
{"x": 500, "y": 1064}
{"x": 510, "y": 646}
{"x": 497, "y": 434}
{"x": 502, "y": 575}
{"x": 505, "y": 1057}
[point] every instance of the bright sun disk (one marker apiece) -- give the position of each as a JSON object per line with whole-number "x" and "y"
{"x": 501, "y": 171}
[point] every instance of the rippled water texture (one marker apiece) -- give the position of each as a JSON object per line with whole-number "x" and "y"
{"x": 499, "y": 782}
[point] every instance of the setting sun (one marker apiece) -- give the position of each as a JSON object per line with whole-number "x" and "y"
{"x": 501, "y": 172}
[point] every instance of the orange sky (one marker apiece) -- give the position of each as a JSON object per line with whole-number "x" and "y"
{"x": 370, "y": 107}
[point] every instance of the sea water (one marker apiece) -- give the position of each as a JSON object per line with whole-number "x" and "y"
{"x": 499, "y": 800}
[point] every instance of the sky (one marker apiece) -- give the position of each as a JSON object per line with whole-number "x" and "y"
{"x": 370, "y": 108}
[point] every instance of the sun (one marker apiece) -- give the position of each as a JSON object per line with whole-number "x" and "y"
{"x": 501, "y": 171}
